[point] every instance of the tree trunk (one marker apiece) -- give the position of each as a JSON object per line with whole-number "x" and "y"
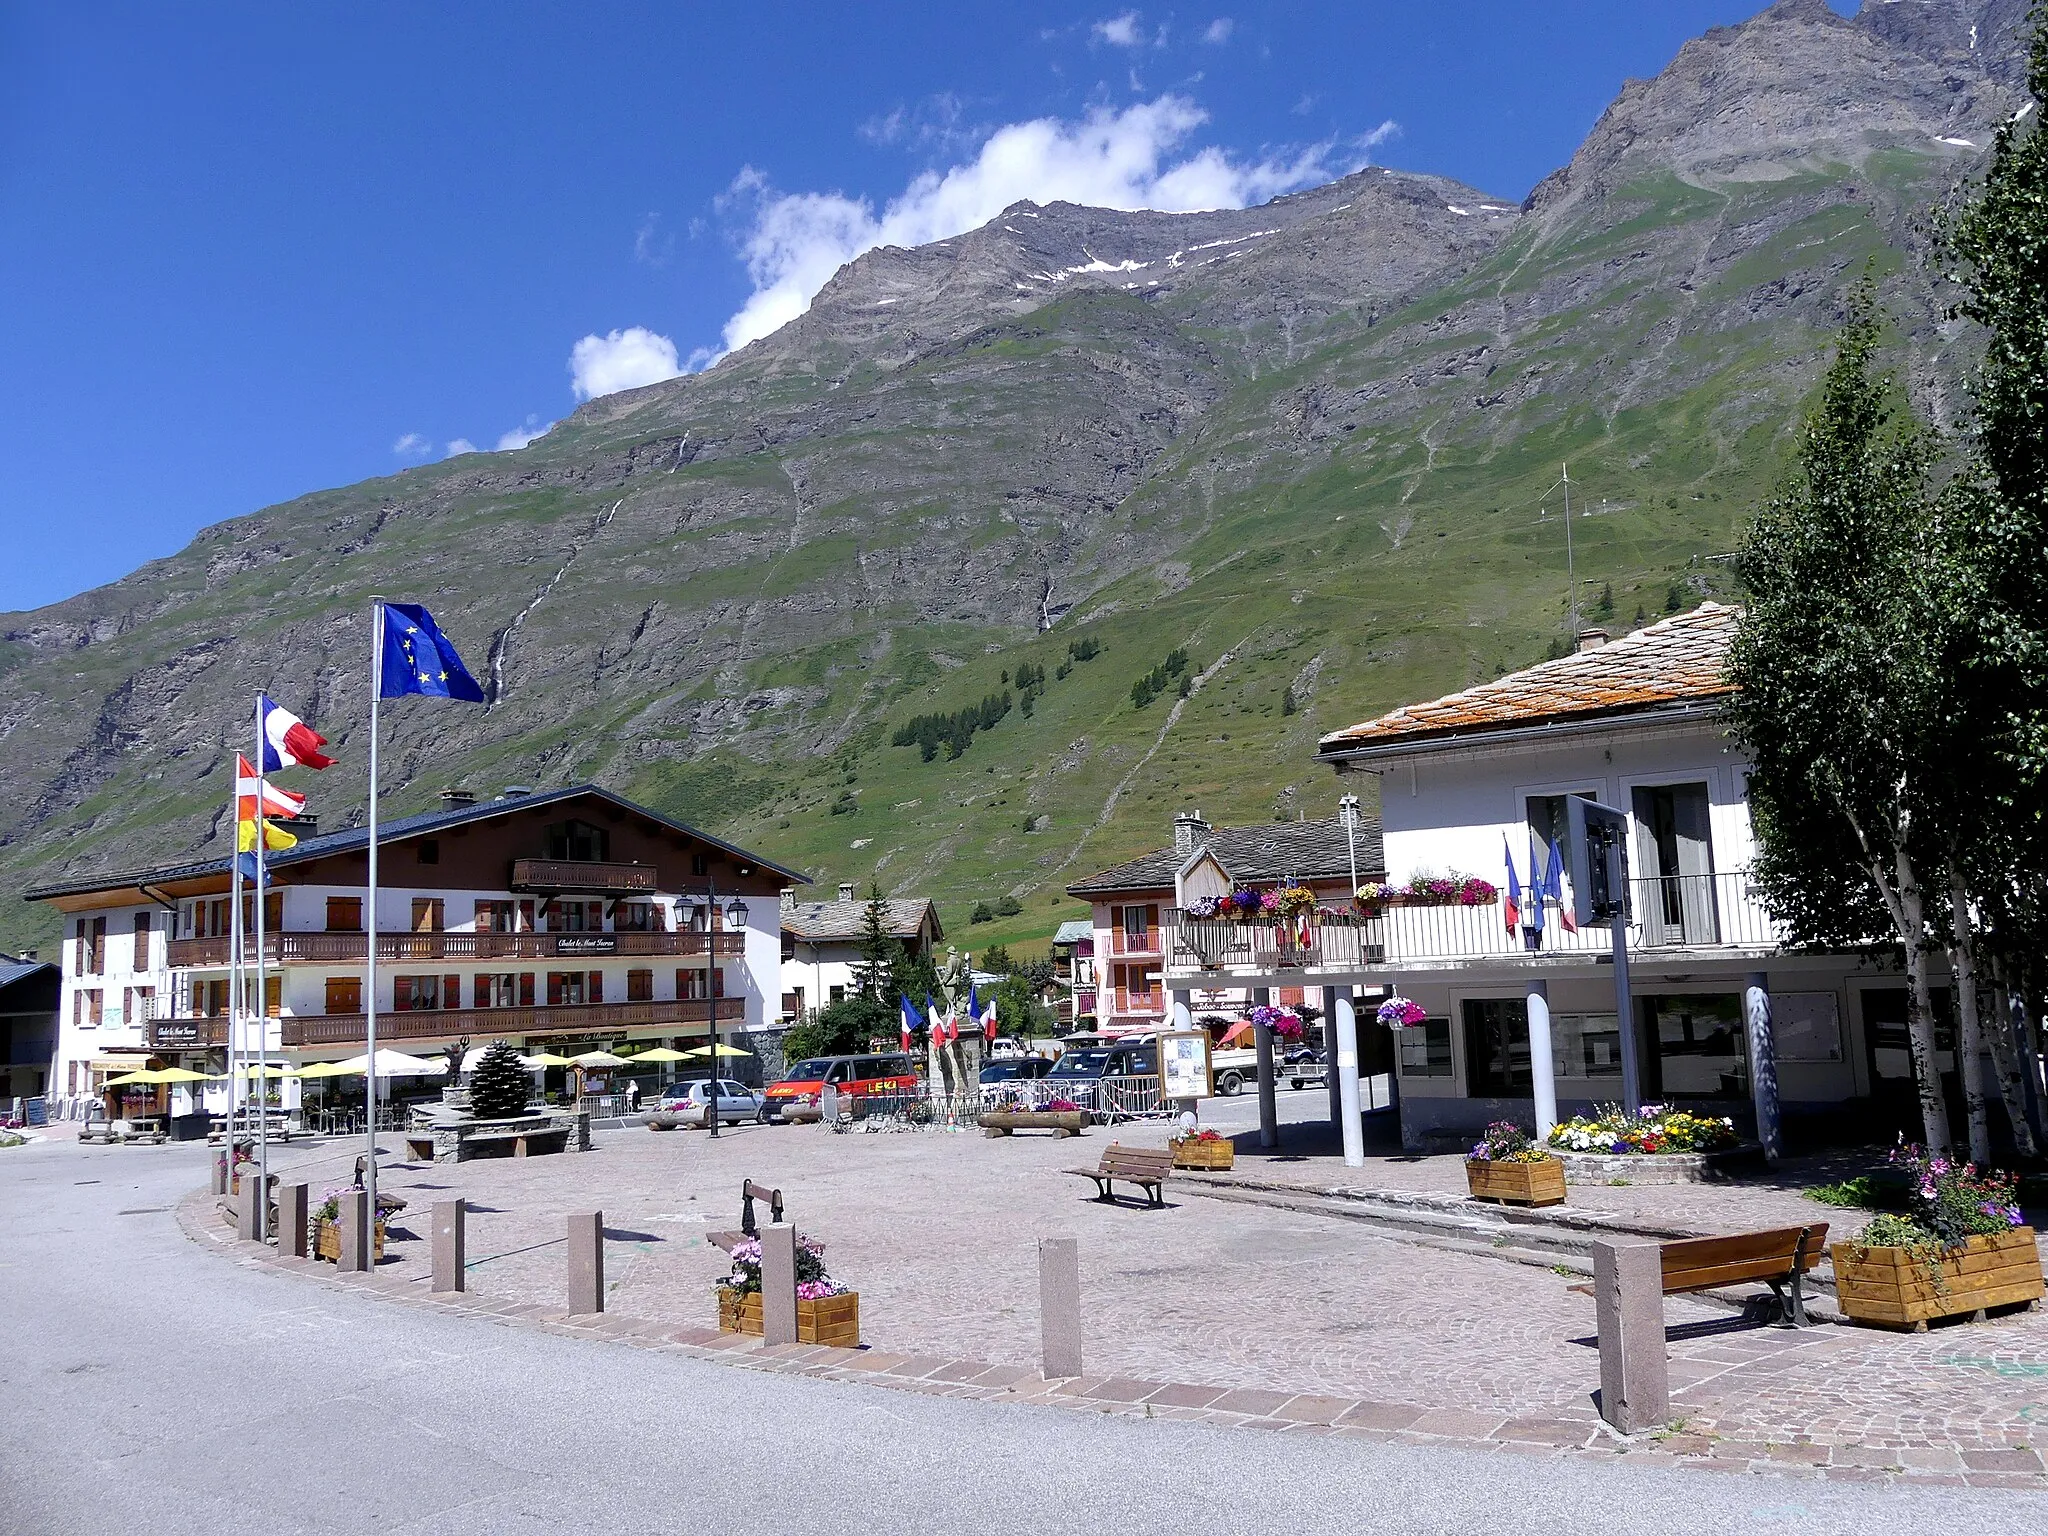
{"x": 1919, "y": 1010}
{"x": 1970, "y": 1033}
{"x": 2007, "y": 1036}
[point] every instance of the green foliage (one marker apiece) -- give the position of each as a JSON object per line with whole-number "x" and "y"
{"x": 996, "y": 958}
{"x": 881, "y": 953}
{"x": 843, "y": 1028}
{"x": 846, "y": 804}
{"x": 1085, "y": 649}
{"x": 1869, "y": 1192}
{"x": 1008, "y": 906}
{"x": 1287, "y": 704}
{"x": 982, "y": 913}
{"x": 1159, "y": 679}
{"x": 1019, "y": 1009}
{"x": 500, "y": 1086}
{"x": 1603, "y": 606}
{"x": 952, "y": 731}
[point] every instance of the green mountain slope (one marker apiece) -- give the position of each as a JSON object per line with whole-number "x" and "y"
{"x": 1309, "y": 444}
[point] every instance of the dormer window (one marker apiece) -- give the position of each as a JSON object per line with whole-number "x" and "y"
{"x": 578, "y": 842}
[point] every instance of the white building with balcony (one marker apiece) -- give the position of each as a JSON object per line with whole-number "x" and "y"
{"x": 1467, "y": 782}
{"x": 567, "y": 920}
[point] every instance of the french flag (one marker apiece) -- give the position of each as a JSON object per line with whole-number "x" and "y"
{"x": 982, "y": 1013}
{"x": 909, "y": 1019}
{"x": 287, "y": 740}
{"x": 1514, "y": 897}
{"x": 1554, "y": 888}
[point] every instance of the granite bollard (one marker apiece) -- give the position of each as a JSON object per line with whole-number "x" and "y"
{"x": 292, "y": 1203}
{"x": 586, "y": 1262}
{"x": 778, "y": 1284}
{"x": 450, "y": 1220}
{"x": 1059, "y": 1303}
{"x": 1635, "y": 1374}
{"x": 357, "y": 1251}
{"x": 249, "y": 1207}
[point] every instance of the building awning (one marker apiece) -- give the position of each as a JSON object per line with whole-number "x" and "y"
{"x": 127, "y": 1063}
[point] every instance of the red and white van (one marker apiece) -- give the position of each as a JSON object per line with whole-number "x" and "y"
{"x": 795, "y": 1097}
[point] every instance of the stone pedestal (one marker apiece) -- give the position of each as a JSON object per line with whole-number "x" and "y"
{"x": 292, "y": 1203}
{"x": 450, "y": 1220}
{"x": 586, "y": 1262}
{"x": 356, "y": 1254}
{"x": 249, "y": 1206}
{"x": 1635, "y": 1376}
{"x": 778, "y": 1284}
{"x": 1059, "y": 1303}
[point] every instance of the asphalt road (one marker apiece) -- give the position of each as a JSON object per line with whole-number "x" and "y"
{"x": 147, "y": 1385}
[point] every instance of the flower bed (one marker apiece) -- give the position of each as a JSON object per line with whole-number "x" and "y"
{"x": 1506, "y": 1164}
{"x": 1657, "y": 1130}
{"x": 1958, "y": 1248}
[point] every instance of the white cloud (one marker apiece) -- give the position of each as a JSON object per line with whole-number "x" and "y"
{"x": 1120, "y": 31}
{"x": 1218, "y": 31}
{"x": 1386, "y": 130}
{"x": 533, "y": 427}
{"x": 603, "y": 365}
{"x": 650, "y": 245}
{"x": 459, "y": 445}
{"x": 412, "y": 446}
{"x": 1105, "y": 160}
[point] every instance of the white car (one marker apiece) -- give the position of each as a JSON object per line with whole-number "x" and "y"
{"x": 736, "y": 1101}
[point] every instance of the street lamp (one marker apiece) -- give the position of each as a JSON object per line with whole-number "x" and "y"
{"x": 735, "y": 914}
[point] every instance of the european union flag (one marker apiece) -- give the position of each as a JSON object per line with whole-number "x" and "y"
{"x": 418, "y": 658}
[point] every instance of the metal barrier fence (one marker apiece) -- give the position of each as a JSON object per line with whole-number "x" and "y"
{"x": 1107, "y": 1099}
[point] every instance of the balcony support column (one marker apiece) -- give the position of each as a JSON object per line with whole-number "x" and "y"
{"x": 1542, "y": 1065}
{"x": 1763, "y": 1061}
{"x": 1269, "y": 1102}
{"x": 1340, "y": 1048}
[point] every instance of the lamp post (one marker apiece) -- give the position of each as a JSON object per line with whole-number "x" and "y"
{"x": 1347, "y": 810}
{"x": 736, "y": 913}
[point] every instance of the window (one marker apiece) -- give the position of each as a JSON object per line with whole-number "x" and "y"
{"x": 413, "y": 994}
{"x": 210, "y": 999}
{"x": 345, "y": 915}
{"x": 637, "y": 917}
{"x": 699, "y": 864}
{"x": 500, "y": 991}
{"x": 575, "y": 916}
{"x": 690, "y": 983}
{"x": 595, "y": 990}
{"x": 428, "y": 913}
{"x": 145, "y": 922}
{"x": 496, "y": 917}
{"x": 1674, "y": 896}
{"x": 1426, "y": 1048}
{"x": 1497, "y": 1047}
{"x": 526, "y": 989}
{"x": 838, "y": 994}
{"x": 210, "y": 919}
{"x": 639, "y": 986}
{"x": 139, "y": 1004}
{"x": 344, "y": 994}
{"x": 1585, "y": 1045}
{"x": 85, "y": 1007}
{"x": 567, "y": 988}
{"x": 1547, "y": 823}
{"x": 428, "y": 850}
{"x": 92, "y": 946}
{"x": 1701, "y": 1050}
{"x": 579, "y": 842}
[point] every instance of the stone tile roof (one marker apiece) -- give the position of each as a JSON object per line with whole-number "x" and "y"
{"x": 1074, "y": 930}
{"x": 1676, "y": 660}
{"x": 826, "y": 922}
{"x": 1279, "y": 850}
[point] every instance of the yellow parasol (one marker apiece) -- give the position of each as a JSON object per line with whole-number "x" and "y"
{"x": 659, "y": 1053}
{"x": 545, "y": 1059}
{"x": 326, "y": 1069}
{"x": 722, "y": 1050}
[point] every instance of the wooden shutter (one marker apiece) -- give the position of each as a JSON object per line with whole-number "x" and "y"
{"x": 639, "y": 986}
{"x": 273, "y": 997}
{"x": 426, "y": 914}
{"x": 344, "y": 994}
{"x": 144, "y": 923}
{"x": 344, "y": 914}
{"x": 555, "y": 980}
{"x": 526, "y": 989}
{"x": 451, "y": 991}
{"x": 596, "y": 992}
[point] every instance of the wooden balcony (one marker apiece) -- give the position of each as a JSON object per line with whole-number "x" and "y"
{"x": 562, "y": 876}
{"x": 292, "y": 948}
{"x": 1123, "y": 943}
{"x": 349, "y": 1029}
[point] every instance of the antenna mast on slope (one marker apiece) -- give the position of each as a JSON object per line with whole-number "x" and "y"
{"x": 1570, "y": 564}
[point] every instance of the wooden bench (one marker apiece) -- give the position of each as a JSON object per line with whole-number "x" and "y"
{"x": 1145, "y": 1167}
{"x": 1780, "y": 1257}
{"x": 524, "y": 1142}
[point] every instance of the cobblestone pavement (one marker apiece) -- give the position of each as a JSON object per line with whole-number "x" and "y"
{"x": 937, "y": 1230}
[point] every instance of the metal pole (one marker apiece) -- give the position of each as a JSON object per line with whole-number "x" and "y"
{"x": 1624, "y": 1014}
{"x": 711, "y": 997}
{"x": 261, "y": 1081}
{"x": 234, "y": 1018}
{"x": 370, "y": 924}
{"x": 1348, "y": 809}
{"x": 1571, "y": 566}
{"x": 1542, "y": 1064}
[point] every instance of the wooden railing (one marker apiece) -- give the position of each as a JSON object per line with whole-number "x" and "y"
{"x": 295, "y": 948}
{"x": 575, "y": 875}
{"x": 1676, "y": 912}
{"x": 1123, "y": 943}
{"x": 446, "y": 1023}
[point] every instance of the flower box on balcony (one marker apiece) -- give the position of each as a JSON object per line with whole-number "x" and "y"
{"x": 1901, "y": 1288}
{"x": 833, "y": 1320}
{"x": 1537, "y": 1183}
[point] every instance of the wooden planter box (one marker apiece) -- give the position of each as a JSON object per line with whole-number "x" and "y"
{"x": 833, "y": 1320}
{"x": 1204, "y": 1154}
{"x": 1062, "y": 1122}
{"x": 1516, "y": 1183}
{"x": 327, "y": 1241}
{"x": 1891, "y": 1286}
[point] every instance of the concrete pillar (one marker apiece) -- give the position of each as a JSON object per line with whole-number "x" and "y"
{"x": 357, "y": 1250}
{"x": 1059, "y": 1306}
{"x": 1342, "y": 1047}
{"x": 1628, "y": 1294}
{"x": 293, "y": 1201}
{"x": 249, "y": 1206}
{"x": 220, "y": 1171}
{"x": 1542, "y": 1064}
{"x": 586, "y": 1262}
{"x": 1763, "y": 1062}
{"x": 451, "y": 1222}
{"x": 778, "y": 1284}
{"x": 1269, "y": 1103}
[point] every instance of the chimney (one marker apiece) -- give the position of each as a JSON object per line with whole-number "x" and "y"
{"x": 28, "y": 954}
{"x": 1189, "y": 832}
{"x": 1593, "y": 639}
{"x": 846, "y": 893}
{"x": 456, "y": 799}
{"x": 515, "y": 791}
{"x": 789, "y": 898}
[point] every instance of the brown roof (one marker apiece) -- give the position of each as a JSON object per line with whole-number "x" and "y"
{"x": 1676, "y": 660}
{"x": 1278, "y": 850}
{"x": 828, "y": 922}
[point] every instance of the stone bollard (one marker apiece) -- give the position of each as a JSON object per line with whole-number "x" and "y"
{"x": 450, "y": 1218}
{"x": 1059, "y": 1304}
{"x": 586, "y": 1262}
{"x": 358, "y": 1252}
{"x": 249, "y": 1207}
{"x": 778, "y": 1284}
{"x": 292, "y": 1203}
{"x": 220, "y": 1174}
{"x": 1635, "y": 1375}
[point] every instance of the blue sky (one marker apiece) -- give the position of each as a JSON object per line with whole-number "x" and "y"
{"x": 251, "y": 251}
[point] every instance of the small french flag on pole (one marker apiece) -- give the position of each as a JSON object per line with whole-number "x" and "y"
{"x": 288, "y": 741}
{"x": 1514, "y": 894}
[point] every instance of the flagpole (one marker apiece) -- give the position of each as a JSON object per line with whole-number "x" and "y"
{"x": 262, "y": 1080}
{"x": 235, "y": 978}
{"x": 370, "y": 953}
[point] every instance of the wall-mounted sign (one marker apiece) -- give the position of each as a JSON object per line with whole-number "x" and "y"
{"x": 1184, "y": 1071}
{"x": 587, "y": 944}
{"x": 177, "y": 1032}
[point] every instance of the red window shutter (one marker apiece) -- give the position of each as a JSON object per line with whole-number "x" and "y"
{"x": 526, "y": 989}
{"x": 451, "y": 991}
{"x": 718, "y": 982}
{"x": 597, "y": 986}
{"x": 682, "y": 981}
{"x": 477, "y": 992}
{"x": 554, "y": 988}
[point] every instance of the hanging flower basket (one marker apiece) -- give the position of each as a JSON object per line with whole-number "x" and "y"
{"x": 1399, "y": 1012}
